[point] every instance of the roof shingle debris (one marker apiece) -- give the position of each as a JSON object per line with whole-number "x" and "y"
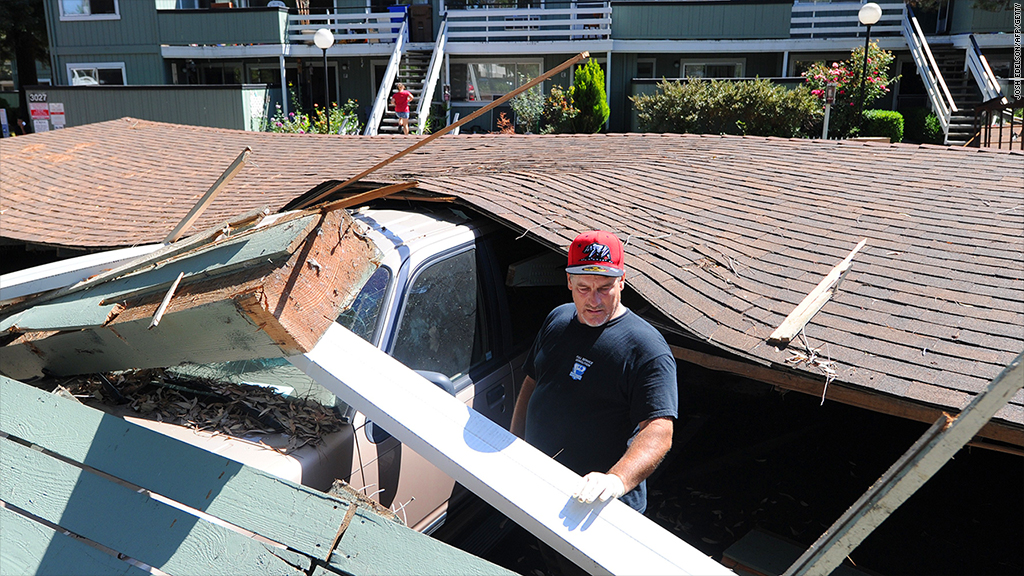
{"x": 725, "y": 235}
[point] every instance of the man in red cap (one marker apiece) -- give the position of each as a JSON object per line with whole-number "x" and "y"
{"x": 600, "y": 395}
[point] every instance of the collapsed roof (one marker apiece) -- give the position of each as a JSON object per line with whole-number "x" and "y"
{"x": 725, "y": 235}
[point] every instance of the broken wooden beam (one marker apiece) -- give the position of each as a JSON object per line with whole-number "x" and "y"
{"x": 517, "y": 479}
{"x": 812, "y": 303}
{"x": 930, "y": 453}
{"x": 262, "y": 293}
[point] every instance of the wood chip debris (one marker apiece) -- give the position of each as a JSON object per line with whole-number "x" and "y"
{"x": 237, "y": 410}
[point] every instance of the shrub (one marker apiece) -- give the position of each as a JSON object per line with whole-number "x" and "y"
{"x": 921, "y": 126}
{"x": 883, "y": 123}
{"x": 755, "y": 108}
{"x": 529, "y": 107}
{"x": 559, "y": 111}
{"x": 299, "y": 122}
{"x": 589, "y": 98}
{"x": 847, "y": 77}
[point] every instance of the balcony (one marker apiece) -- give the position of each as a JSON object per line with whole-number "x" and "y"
{"x": 839, "y": 20}
{"x": 555, "y": 22}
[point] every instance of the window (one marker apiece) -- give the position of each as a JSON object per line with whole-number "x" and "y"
{"x": 486, "y": 81}
{"x": 89, "y": 10}
{"x": 363, "y": 317}
{"x": 110, "y": 74}
{"x": 442, "y": 327}
{"x": 645, "y": 68}
{"x": 712, "y": 69}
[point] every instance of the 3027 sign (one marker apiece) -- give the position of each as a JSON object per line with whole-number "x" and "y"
{"x": 37, "y": 97}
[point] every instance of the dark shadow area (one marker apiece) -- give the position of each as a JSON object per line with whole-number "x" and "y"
{"x": 748, "y": 457}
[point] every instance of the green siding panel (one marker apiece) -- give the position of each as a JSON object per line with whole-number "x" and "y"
{"x": 136, "y": 26}
{"x": 700, "y": 21}
{"x": 183, "y": 27}
{"x": 139, "y": 68}
{"x": 967, "y": 19}
{"x": 236, "y": 107}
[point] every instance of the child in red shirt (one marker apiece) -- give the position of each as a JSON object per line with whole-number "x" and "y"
{"x": 401, "y": 101}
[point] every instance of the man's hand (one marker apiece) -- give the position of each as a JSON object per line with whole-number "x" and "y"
{"x": 597, "y": 486}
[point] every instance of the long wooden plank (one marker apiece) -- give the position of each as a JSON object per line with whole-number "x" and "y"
{"x": 306, "y": 519}
{"x": 930, "y": 453}
{"x": 208, "y": 198}
{"x": 318, "y": 197}
{"x": 129, "y": 522}
{"x": 29, "y": 547}
{"x": 532, "y": 489}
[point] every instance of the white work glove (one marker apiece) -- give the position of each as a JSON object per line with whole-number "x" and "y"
{"x": 597, "y": 486}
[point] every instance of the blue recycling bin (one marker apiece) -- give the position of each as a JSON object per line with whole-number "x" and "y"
{"x": 399, "y": 10}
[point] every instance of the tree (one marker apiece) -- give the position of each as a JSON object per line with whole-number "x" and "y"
{"x": 589, "y": 98}
{"x": 23, "y": 39}
{"x": 847, "y": 78}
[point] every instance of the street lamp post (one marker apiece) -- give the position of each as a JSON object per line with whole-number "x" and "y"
{"x": 324, "y": 39}
{"x": 869, "y": 14}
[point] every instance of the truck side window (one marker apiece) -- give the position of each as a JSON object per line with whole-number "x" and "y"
{"x": 442, "y": 326}
{"x": 363, "y": 316}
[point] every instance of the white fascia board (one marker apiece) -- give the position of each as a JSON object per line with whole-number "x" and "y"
{"x": 274, "y": 50}
{"x": 64, "y": 273}
{"x": 490, "y": 49}
{"x": 514, "y": 477}
{"x": 734, "y": 46}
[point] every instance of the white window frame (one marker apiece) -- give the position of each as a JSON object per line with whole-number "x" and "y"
{"x": 742, "y": 62}
{"x": 97, "y": 65}
{"x": 513, "y": 60}
{"x": 81, "y": 17}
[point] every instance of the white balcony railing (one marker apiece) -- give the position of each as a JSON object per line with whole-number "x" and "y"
{"x": 839, "y": 20}
{"x": 580, "y": 21}
{"x": 347, "y": 28}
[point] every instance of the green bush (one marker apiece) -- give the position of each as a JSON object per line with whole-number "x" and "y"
{"x": 756, "y": 108}
{"x": 559, "y": 112}
{"x": 883, "y": 123}
{"x": 921, "y": 126}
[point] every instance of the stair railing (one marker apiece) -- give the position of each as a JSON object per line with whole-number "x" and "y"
{"x": 380, "y": 104}
{"x": 997, "y": 114}
{"x": 433, "y": 73}
{"x": 935, "y": 85}
{"x": 978, "y": 65}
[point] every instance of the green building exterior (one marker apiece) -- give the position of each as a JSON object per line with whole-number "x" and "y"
{"x": 491, "y": 47}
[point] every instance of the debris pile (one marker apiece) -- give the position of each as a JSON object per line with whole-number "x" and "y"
{"x": 238, "y": 410}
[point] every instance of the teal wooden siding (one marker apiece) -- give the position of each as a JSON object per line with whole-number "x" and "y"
{"x": 182, "y": 27}
{"x": 700, "y": 21}
{"x": 240, "y": 108}
{"x": 135, "y": 27}
{"x": 967, "y": 19}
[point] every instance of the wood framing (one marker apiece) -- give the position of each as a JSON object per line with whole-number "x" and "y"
{"x": 839, "y": 393}
{"x": 265, "y": 292}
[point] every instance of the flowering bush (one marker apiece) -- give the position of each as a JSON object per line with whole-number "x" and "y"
{"x": 559, "y": 111}
{"x": 847, "y": 78}
{"x": 343, "y": 120}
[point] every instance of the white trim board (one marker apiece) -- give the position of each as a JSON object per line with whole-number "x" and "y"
{"x": 508, "y": 473}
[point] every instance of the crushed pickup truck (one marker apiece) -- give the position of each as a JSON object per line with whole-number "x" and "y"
{"x": 191, "y": 339}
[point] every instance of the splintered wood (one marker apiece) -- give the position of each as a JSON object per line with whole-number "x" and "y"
{"x": 813, "y": 302}
{"x": 265, "y": 292}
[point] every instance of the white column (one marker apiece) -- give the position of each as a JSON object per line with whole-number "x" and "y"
{"x": 284, "y": 86}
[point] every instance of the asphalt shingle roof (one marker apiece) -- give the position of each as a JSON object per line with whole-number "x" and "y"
{"x": 725, "y": 234}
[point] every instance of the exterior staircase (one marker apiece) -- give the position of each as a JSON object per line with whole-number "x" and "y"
{"x": 964, "y": 90}
{"x": 412, "y": 72}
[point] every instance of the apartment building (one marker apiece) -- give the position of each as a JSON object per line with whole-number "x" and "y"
{"x": 457, "y": 55}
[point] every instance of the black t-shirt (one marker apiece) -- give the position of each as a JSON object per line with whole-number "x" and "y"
{"x": 594, "y": 387}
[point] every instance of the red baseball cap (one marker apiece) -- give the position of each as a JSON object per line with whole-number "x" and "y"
{"x": 596, "y": 252}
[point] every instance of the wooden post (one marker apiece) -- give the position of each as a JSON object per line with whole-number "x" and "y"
{"x": 944, "y": 439}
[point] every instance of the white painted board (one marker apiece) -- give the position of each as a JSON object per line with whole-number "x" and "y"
{"x": 517, "y": 479}
{"x": 64, "y": 273}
